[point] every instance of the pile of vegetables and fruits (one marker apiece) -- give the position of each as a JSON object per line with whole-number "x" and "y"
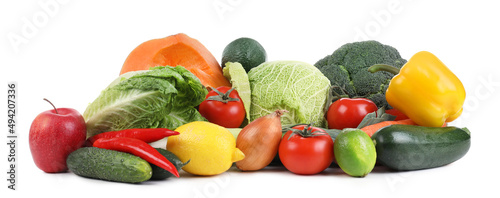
{"x": 360, "y": 106}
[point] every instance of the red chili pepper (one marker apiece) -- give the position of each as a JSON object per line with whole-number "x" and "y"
{"x": 147, "y": 135}
{"x": 138, "y": 148}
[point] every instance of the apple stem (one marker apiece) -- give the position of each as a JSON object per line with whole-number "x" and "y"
{"x": 51, "y": 104}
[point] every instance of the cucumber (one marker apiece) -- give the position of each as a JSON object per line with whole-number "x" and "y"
{"x": 108, "y": 165}
{"x": 408, "y": 147}
{"x": 160, "y": 173}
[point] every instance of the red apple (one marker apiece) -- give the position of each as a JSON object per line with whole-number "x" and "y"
{"x": 54, "y": 134}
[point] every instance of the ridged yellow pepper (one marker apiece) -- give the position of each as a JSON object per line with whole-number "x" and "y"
{"x": 425, "y": 90}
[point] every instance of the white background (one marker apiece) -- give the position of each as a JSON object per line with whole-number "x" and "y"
{"x": 75, "y": 48}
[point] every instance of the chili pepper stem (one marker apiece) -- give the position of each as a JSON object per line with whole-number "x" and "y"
{"x": 383, "y": 67}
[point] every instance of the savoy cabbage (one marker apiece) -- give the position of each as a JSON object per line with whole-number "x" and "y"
{"x": 298, "y": 87}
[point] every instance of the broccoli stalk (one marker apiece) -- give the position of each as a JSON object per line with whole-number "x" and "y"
{"x": 347, "y": 69}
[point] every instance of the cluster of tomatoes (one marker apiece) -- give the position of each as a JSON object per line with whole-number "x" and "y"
{"x": 311, "y": 151}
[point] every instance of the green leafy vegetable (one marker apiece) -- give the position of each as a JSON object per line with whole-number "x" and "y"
{"x": 347, "y": 69}
{"x": 163, "y": 97}
{"x": 238, "y": 77}
{"x": 376, "y": 117}
{"x": 295, "y": 86}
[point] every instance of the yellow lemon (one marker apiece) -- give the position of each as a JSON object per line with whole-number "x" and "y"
{"x": 210, "y": 148}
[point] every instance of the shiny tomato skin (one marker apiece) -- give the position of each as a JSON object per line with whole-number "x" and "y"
{"x": 348, "y": 112}
{"x": 306, "y": 155}
{"x": 229, "y": 115}
{"x": 397, "y": 113}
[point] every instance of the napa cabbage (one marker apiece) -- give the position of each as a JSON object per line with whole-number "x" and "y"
{"x": 162, "y": 97}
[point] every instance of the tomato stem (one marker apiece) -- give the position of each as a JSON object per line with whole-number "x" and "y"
{"x": 306, "y": 132}
{"x": 223, "y": 97}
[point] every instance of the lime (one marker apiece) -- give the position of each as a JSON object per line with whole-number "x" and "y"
{"x": 246, "y": 51}
{"x": 355, "y": 152}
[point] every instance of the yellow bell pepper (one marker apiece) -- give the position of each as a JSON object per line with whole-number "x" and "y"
{"x": 425, "y": 90}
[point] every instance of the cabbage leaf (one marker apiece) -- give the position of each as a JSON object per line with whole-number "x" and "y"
{"x": 162, "y": 97}
{"x": 295, "y": 86}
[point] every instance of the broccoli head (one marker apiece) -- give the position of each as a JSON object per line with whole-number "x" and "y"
{"x": 347, "y": 69}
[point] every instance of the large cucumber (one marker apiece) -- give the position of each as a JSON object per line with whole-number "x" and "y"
{"x": 407, "y": 147}
{"x": 108, "y": 165}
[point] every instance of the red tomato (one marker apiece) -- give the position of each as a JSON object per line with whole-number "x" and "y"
{"x": 306, "y": 154}
{"x": 223, "y": 107}
{"x": 397, "y": 113}
{"x": 348, "y": 112}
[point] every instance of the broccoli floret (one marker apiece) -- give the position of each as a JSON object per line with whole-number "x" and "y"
{"x": 347, "y": 68}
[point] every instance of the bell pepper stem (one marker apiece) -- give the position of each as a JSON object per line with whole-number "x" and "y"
{"x": 383, "y": 67}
